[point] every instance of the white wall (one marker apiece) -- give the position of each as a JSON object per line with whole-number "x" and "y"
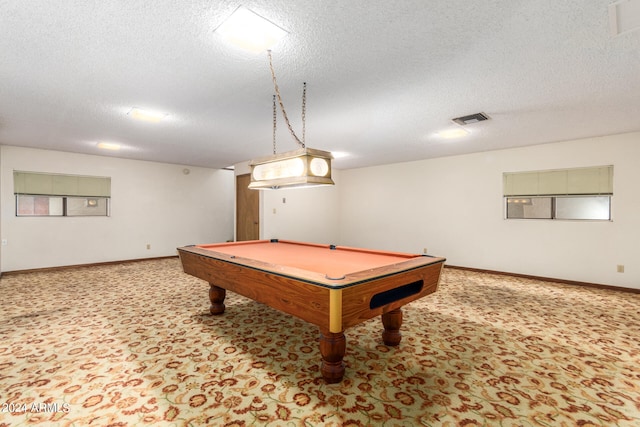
{"x": 305, "y": 214}
{"x": 1, "y": 204}
{"x": 151, "y": 203}
{"x": 454, "y": 207}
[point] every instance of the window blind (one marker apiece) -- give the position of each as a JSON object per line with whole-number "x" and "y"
{"x": 47, "y": 184}
{"x": 560, "y": 182}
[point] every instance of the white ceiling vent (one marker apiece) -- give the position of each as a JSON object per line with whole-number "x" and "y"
{"x": 624, "y": 16}
{"x": 472, "y": 118}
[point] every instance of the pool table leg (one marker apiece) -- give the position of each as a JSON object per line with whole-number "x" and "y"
{"x": 216, "y": 296}
{"x": 392, "y": 322}
{"x": 332, "y": 347}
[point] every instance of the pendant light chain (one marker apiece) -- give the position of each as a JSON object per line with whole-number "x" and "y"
{"x": 284, "y": 113}
{"x": 304, "y": 111}
{"x": 275, "y": 115}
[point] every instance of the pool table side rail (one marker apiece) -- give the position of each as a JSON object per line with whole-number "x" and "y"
{"x": 315, "y": 278}
{"x": 306, "y": 301}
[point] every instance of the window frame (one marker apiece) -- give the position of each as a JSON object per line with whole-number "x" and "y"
{"x": 65, "y": 210}
{"x": 554, "y": 208}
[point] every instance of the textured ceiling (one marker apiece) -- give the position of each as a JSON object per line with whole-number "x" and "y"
{"x": 382, "y": 77}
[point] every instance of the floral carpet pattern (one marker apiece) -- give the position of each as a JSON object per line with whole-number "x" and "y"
{"x": 133, "y": 344}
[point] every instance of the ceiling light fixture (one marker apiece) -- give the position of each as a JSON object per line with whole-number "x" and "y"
{"x": 339, "y": 154}
{"x": 453, "y": 133}
{"x": 146, "y": 115}
{"x": 304, "y": 167}
{"x": 250, "y": 31}
{"x": 108, "y": 146}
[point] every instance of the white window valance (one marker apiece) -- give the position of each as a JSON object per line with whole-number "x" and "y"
{"x": 36, "y": 183}
{"x": 596, "y": 180}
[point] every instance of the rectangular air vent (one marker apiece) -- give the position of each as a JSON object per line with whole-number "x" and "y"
{"x": 472, "y": 118}
{"x": 624, "y": 16}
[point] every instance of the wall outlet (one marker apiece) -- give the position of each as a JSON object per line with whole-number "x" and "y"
{"x": 4, "y": 242}
{"x": 148, "y": 245}
{"x": 424, "y": 251}
{"x": 620, "y": 268}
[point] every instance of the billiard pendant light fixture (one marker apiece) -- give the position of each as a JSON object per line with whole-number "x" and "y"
{"x": 304, "y": 167}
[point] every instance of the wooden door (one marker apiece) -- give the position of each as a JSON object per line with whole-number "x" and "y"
{"x": 247, "y": 210}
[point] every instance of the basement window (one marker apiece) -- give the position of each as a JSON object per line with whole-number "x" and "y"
{"x": 559, "y": 207}
{"x": 569, "y": 194}
{"x": 36, "y": 205}
{"x": 47, "y": 194}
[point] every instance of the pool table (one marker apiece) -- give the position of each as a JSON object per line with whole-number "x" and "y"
{"x": 333, "y": 287}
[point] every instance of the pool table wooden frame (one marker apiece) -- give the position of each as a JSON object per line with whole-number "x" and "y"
{"x": 333, "y": 304}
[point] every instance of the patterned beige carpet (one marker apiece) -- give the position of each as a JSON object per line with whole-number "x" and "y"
{"x": 133, "y": 345}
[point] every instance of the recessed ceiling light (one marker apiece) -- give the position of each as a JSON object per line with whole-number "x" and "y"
{"x": 339, "y": 154}
{"x": 146, "y": 115}
{"x": 250, "y": 31}
{"x": 108, "y": 146}
{"x": 452, "y": 133}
